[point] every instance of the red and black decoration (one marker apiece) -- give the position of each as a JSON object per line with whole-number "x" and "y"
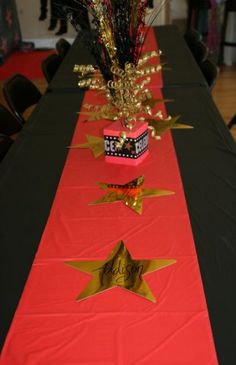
{"x": 10, "y": 35}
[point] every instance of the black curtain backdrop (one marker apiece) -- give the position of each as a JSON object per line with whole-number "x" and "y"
{"x": 10, "y": 35}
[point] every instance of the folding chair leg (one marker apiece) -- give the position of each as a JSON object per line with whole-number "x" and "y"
{"x": 232, "y": 122}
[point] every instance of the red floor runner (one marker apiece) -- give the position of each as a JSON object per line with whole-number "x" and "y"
{"x": 26, "y": 63}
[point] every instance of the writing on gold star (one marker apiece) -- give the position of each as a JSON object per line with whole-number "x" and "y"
{"x": 119, "y": 270}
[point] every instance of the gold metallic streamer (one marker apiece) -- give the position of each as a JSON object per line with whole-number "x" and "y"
{"x": 128, "y": 98}
{"x": 126, "y": 94}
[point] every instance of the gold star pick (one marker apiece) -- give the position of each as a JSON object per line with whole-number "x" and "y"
{"x": 159, "y": 127}
{"x": 152, "y": 102}
{"x": 119, "y": 270}
{"x": 96, "y": 144}
{"x": 131, "y": 194}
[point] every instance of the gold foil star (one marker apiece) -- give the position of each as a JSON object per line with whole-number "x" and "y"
{"x": 152, "y": 102}
{"x": 119, "y": 270}
{"x": 131, "y": 194}
{"x": 158, "y": 127}
{"x": 96, "y": 144}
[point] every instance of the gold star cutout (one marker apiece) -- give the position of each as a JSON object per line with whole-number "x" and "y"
{"x": 131, "y": 194}
{"x": 96, "y": 144}
{"x": 152, "y": 102}
{"x": 158, "y": 127}
{"x": 119, "y": 270}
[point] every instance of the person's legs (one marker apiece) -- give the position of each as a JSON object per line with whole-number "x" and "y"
{"x": 53, "y": 19}
{"x": 61, "y": 15}
{"x": 43, "y": 9}
{"x": 81, "y": 18}
{"x": 63, "y": 26}
{"x": 150, "y": 4}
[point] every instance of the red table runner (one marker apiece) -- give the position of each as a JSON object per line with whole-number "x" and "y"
{"x": 116, "y": 326}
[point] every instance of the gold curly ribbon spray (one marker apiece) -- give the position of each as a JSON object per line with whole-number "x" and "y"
{"x": 129, "y": 100}
{"x": 127, "y": 94}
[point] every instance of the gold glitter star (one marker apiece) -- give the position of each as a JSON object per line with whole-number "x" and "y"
{"x": 152, "y": 102}
{"x": 159, "y": 127}
{"x": 119, "y": 270}
{"x": 131, "y": 194}
{"x": 96, "y": 144}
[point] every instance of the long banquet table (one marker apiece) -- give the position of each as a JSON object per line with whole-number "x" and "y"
{"x": 206, "y": 155}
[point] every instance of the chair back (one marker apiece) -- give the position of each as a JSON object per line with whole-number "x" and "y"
{"x": 20, "y": 93}
{"x": 210, "y": 72}
{"x": 50, "y": 66}
{"x": 192, "y": 36}
{"x": 62, "y": 47}
{"x": 9, "y": 124}
{"x": 199, "y": 52}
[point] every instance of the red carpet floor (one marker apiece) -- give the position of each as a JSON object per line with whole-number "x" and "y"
{"x": 26, "y": 63}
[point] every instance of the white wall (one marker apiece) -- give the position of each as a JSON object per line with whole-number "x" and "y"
{"x": 34, "y": 30}
{"x": 178, "y": 9}
{"x": 163, "y": 16}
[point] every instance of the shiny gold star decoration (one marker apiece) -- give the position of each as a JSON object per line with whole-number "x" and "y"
{"x": 131, "y": 194}
{"x": 119, "y": 270}
{"x": 153, "y": 102}
{"x": 159, "y": 127}
{"x": 95, "y": 144}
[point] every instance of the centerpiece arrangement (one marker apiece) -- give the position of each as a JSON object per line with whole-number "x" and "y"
{"x": 122, "y": 73}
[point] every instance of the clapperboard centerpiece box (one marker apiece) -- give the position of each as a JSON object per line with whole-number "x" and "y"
{"x": 134, "y": 146}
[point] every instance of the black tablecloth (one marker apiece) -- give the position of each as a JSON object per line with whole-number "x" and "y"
{"x": 207, "y": 161}
{"x": 184, "y": 71}
{"x": 29, "y": 176}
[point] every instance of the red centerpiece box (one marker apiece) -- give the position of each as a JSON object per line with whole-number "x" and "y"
{"x": 134, "y": 148}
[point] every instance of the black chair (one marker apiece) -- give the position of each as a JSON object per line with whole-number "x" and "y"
{"x": 210, "y": 72}
{"x": 192, "y": 36}
{"x": 62, "y": 47}
{"x": 50, "y": 66}
{"x": 5, "y": 144}
{"x": 199, "y": 51}
{"x": 20, "y": 93}
{"x": 9, "y": 125}
{"x": 232, "y": 122}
